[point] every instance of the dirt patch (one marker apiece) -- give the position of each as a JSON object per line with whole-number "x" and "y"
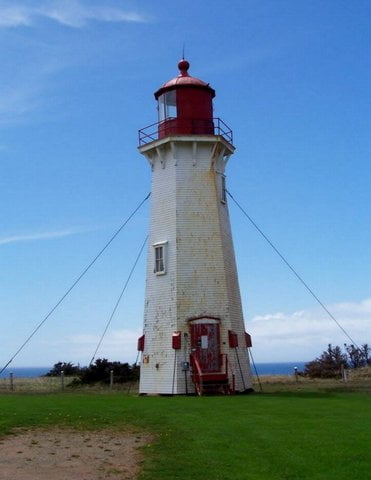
{"x": 66, "y": 454}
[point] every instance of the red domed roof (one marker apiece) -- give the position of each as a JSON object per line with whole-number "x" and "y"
{"x": 183, "y": 79}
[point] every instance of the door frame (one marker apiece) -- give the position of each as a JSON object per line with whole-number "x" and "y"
{"x": 206, "y": 320}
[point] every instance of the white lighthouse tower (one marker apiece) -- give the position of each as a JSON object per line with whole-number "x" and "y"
{"x": 194, "y": 338}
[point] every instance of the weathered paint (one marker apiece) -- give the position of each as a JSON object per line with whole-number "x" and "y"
{"x": 205, "y": 344}
{"x": 190, "y": 217}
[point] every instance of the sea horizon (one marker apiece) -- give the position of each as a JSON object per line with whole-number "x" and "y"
{"x": 263, "y": 368}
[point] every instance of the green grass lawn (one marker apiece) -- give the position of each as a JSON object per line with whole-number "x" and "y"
{"x": 262, "y": 436}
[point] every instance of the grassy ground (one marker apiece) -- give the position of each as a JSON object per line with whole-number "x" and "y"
{"x": 54, "y": 385}
{"x": 359, "y": 381}
{"x": 38, "y": 384}
{"x": 284, "y": 436}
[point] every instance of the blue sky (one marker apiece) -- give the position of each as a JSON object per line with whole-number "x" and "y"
{"x": 77, "y": 79}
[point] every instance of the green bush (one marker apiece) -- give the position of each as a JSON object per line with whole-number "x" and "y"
{"x": 99, "y": 372}
{"x": 332, "y": 361}
{"x": 68, "y": 368}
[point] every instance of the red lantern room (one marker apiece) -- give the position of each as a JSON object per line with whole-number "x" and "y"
{"x": 185, "y": 105}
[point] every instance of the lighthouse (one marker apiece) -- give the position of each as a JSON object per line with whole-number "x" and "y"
{"x": 194, "y": 339}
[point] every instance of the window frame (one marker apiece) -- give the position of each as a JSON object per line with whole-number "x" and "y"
{"x": 223, "y": 194}
{"x": 167, "y": 107}
{"x": 159, "y": 267}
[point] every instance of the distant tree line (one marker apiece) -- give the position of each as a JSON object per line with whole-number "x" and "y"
{"x": 97, "y": 372}
{"x": 333, "y": 360}
{"x": 329, "y": 364}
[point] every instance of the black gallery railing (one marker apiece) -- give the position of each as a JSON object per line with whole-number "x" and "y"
{"x": 177, "y": 126}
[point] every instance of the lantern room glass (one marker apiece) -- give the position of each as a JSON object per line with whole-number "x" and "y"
{"x": 167, "y": 106}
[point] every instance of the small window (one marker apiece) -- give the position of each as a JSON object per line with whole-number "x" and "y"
{"x": 160, "y": 266}
{"x": 159, "y": 259}
{"x": 167, "y": 106}
{"x": 204, "y": 341}
{"x": 224, "y": 191}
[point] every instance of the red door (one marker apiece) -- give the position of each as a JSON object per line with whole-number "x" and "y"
{"x": 205, "y": 339}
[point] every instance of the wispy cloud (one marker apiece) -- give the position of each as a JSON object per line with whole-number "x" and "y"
{"x": 303, "y": 335}
{"x": 71, "y": 13}
{"x": 30, "y": 64}
{"x": 23, "y": 92}
{"x": 14, "y": 15}
{"x": 75, "y": 14}
{"x": 17, "y": 100}
{"x": 32, "y": 237}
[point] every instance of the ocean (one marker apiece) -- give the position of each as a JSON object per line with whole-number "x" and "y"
{"x": 281, "y": 368}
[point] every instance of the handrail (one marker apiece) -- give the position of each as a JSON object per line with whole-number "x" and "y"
{"x": 198, "y": 376}
{"x": 223, "y": 365}
{"x": 216, "y": 126}
{"x": 194, "y": 361}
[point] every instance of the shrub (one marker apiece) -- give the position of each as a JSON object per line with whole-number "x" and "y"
{"x": 328, "y": 365}
{"x": 100, "y": 370}
{"x": 332, "y": 360}
{"x": 68, "y": 368}
{"x": 358, "y": 357}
